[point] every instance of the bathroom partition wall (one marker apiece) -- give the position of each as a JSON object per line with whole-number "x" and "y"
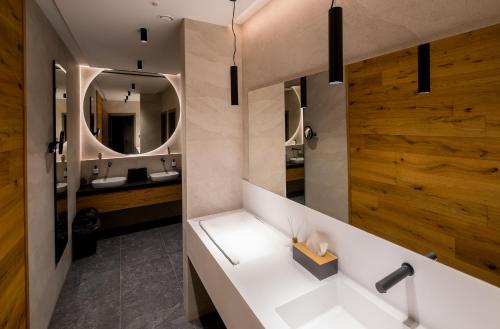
{"x": 424, "y": 168}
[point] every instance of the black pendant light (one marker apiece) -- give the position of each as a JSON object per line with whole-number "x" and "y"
{"x": 144, "y": 35}
{"x": 234, "y": 68}
{"x": 335, "y": 45}
{"x": 303, "y": 93}
{"x": 424, "y": 69}
{"x": 133, "y": 86}
{"x": 128, "y": 93}
{"x": 139, "y": 65}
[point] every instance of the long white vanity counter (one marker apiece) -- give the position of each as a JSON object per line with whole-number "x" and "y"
{"x": 269, "y": 289}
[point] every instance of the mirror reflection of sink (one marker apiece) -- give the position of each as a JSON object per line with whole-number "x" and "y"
{"x": 164, "y": 176}
{"x": 340, "y": 304}
{"x": 109, "y": 182}
{"x": 298, "y": 160}
{"x": 61, "y": 187}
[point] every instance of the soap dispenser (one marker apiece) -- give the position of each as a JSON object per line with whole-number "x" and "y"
{"x": 174, "y": 164}
{"x": 95, "y": 172}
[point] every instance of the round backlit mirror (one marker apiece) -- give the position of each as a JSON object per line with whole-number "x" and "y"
{"x": 129, "y": 112}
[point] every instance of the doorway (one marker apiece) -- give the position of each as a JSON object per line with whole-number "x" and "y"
{"x": 121, "y": 137}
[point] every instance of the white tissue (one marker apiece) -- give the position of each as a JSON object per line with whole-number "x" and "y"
{"x": 317, "y": 243}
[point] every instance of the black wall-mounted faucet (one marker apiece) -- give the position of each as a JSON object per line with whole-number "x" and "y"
{"x": 395, "y": 277}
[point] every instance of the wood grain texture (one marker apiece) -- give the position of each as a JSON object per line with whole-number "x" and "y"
{"x": 425, "y": 169}
{"x": 295, "y": 174}
{"x": 114, "y": 201}
{"x": 13, "y": 285}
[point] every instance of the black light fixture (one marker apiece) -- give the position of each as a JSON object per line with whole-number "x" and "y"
{"x": 128, "y": 93}
{"x": 139, "y": 64}
{"x": 65, "y": 96}
{"x": 335, "y": 45}
{"x": 303, "y": 93}
{"x": 133, "y": 86}
{"x": 144, "y": 34}
{"x": 424, "y": 68}
{"x": 234, "y": 68}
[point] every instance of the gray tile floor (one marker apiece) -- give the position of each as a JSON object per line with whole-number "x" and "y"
{"x": 134, "y": 281}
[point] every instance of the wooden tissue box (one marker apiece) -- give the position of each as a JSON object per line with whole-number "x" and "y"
{"x": 320, "y": 267}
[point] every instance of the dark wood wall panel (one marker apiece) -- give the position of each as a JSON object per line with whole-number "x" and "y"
{"x": 425, "y": 169}
{"x": 13, "y": 313}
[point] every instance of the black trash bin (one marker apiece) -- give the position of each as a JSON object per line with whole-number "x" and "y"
{"x": 85, "y": 229}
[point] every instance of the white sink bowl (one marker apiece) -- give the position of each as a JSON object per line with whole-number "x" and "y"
{"x": 109, "y": 182}
{"x": 298, "y": 160}
{"x": 164, "y": 176}
{"x": 61, "y": 187}
{"x": 341, "y": 304}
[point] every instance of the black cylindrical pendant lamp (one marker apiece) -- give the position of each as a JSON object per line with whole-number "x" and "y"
{"x": 303, "y": 93}
{"x": 133, "y": 86}
{"x": 234, "y": 85}
{"x": 144, "y": 35}
{"x": 139, "y": 65}
{"x": 335, "y": 46}
{"x": 424, "y": 69}
{"x": 128, "y": 93}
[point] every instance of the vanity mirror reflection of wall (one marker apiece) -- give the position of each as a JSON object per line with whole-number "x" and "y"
{"x": 420, "y": 170}
{"x": 131, "y": 112}
{"x": 60, "y": 152}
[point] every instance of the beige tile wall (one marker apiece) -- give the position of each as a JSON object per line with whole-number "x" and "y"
{"x": 42, "y": 47}
{"x": 267, "y": 162}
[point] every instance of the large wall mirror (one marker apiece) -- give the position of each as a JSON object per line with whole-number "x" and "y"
{"x": 131, "y": 112}
{"x": 59, "y": 147}
{"x": 417, "y": 169}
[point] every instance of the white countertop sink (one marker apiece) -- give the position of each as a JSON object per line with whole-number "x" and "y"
{"x": 164, "y": 176}
{"x": 109, "y": 182}
{"x": 61, "y": 187}
{"x": 297, "y": 160}
{"x": 340, "y": 304}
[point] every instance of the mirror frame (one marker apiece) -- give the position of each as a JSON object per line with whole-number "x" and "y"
{"x": 58, "y": 221}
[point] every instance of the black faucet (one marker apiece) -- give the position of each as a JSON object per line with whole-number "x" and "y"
{"x": 392, "y": 279}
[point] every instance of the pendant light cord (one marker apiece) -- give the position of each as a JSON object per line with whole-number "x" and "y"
{"x": 234, "y": 33}
{"x": 333, "y": 4}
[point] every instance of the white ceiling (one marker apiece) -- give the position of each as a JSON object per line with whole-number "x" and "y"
{"x": 114, "y": 87}
{"x": 105, "y": 33}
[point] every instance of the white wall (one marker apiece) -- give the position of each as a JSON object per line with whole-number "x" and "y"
{"x": 151, "y": 107}
{"x": 326, "y": 164}
{"x": 266, "y": 138}
{"x": 437, "y": 296}
{"x": 42, "y": 47}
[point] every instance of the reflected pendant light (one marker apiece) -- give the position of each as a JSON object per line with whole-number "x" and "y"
{"x": 424, "y": 69}
{"x": 128, "y": 93}
{"x": 139, "y": 65}
{"x": 234, "y": 68}
{"x": 335, "y": 45}
{"x": 303, "y": 93}
{"x": 144, "y": 35}
{"x": 133, "y": 86}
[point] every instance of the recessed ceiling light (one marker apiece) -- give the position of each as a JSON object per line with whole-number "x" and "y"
{"x": 167, "y": 18}
{"x": 154, "y": 3}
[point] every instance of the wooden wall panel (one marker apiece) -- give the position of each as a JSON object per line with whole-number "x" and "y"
{"x": 13, "y": 286}
{"x": 425, "y": 169}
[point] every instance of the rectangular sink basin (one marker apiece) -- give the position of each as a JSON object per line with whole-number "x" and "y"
{"x": 109, "y": 182}
{"x": 340, "y": 304}
{"x": 164, "y": 176}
